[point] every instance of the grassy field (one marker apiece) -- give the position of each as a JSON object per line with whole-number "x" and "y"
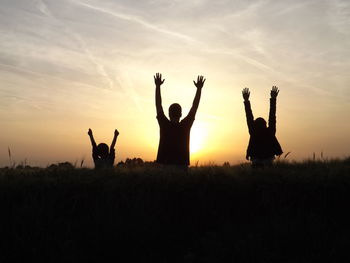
{"x": 293, "y": 212}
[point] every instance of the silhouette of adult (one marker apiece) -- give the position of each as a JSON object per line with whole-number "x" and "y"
{"x": 174, "y": 142}
{"x": 102, "y": 155}
{"x": 263, "y": 144}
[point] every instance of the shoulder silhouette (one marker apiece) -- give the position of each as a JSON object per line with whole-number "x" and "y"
{"x": 263, "y": 145}
{"x": 103, "y": 155}
{"x": 174, "y": 141}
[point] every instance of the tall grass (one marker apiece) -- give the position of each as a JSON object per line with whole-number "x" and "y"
{"x": 293, "y": 212}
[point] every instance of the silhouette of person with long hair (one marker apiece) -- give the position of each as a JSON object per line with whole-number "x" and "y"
{"x": 102, "y": 155}
{"x": 174, "y": 142}
{"x": 263, "y": 144}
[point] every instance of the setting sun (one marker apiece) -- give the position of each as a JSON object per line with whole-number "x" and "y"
{"x": 199, "y": 135}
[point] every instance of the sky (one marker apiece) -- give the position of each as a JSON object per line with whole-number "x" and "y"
{"x": 70, "y": 65}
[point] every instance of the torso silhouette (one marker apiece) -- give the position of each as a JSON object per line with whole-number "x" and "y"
{"x": 263, "y": 142}
{"x": 174, "y": 142}
{"x": 106, "y": 162}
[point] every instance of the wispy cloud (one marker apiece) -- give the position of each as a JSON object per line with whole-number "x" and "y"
{"x": 78, "y": 38}
{"x": 129, "y": 91}
{"x": 138, "y": 20}
{"x": 339, "y": 16}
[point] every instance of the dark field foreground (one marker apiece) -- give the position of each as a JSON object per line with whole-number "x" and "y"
{"x": 297, "y": 212}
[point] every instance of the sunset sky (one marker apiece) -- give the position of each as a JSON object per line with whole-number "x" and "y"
{"x": 70, "y": 65}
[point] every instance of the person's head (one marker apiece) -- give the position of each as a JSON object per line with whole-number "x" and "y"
{"x": 102, "y": 150}
{"x": 260, "y": 124}
{"x": 175, "y": 112}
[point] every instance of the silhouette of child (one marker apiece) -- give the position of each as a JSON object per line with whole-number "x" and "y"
{"x": 102, "y": 155}
{"x": 263, "y": 144}
{"x": 174, "y": 141}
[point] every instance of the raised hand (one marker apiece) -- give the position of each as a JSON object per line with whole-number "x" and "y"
{"x": 116, "y": 133}
{"x": 246, "y": 94}
{"x": 158, "y": 79}
{"x": 200, "y": 82}
{"x": 93, "y": 143}
{"x": 274, "y": 92}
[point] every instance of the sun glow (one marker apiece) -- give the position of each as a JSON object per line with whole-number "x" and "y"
{"x": 199, "y": 134}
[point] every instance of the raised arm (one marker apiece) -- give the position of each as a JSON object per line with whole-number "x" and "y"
{"x": 248, "y": 109}
{"x": 116, "y": 133}
{"x": 272, "y": 114}
{"x": 158, "y": 81}
{"x": 199, "y": 85}
{"x": 93, "y": 143}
